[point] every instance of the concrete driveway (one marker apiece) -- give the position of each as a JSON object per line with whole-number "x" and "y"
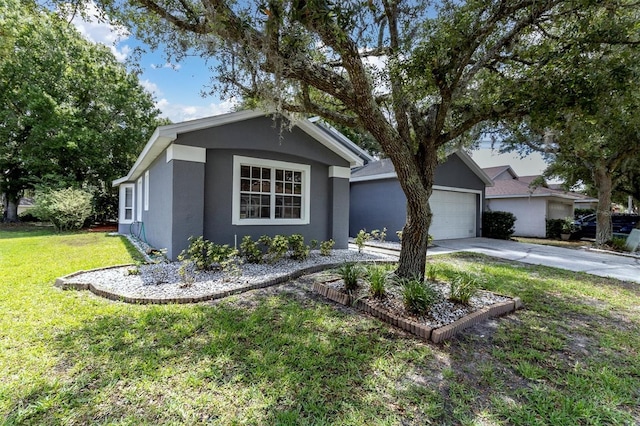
{"x": 591, "y": 262}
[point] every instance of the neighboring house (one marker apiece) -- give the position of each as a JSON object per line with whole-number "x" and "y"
{"x": 237, "y": 174}
{"x": 531, "y": 203}
{"x": 377, "y": 200}
{"x": 25, "y": 205}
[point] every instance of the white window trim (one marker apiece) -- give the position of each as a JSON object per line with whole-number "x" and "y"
{"x": 138, "y": 202}
{"x": 123, "y": 200}
{"x": 239, "y": 161}
{"x": 146, "y": 191}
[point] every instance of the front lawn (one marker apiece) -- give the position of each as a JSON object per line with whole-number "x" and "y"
{"x": 285, "y": 356}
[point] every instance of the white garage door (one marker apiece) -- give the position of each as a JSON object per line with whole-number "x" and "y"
{"x": 454, "y": 215}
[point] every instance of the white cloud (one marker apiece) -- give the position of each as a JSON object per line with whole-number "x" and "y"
{"x": 151, "y": 87}
{"x": 179, "y": 112}
{"x": 169, "y": 65}
{"x": 95, "y": 29}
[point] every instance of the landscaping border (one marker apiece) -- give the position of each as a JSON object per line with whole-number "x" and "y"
{"x": 433, "y": 334}
{"x": 64, "y": 284}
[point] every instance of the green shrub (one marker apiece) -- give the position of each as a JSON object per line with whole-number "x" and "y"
{"x": 618, "y": 244}
{"x": 432, "y": 272}
{"x": 379, "y": 235}
{"x": 299, "y": 251}
{"x": 208, "y": 256}
{"x": 554, "y": 227}
{"x": 464, "y": 286}
{"x": 499, "y": 225}
{"x": 67, "y": 209}
{"x": 399, "y": 235}
{"x": 188, "y": 272}
{"x": 350, "y": 272}
{"x": 377, "y": 277}
{"x": 361, "y": 239}
{"x": 313, "y": 244}
{"x": 250, "y": 250}
{"x": 418, "y": 296}
{"x": 277, "y": 249}
{"x": 28, "y": 216}
{"x": 326, "y": 247}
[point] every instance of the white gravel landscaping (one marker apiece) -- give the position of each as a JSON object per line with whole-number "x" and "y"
{"x": 162, "y": 280}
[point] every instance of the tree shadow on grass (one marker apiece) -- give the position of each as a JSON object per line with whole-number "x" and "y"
{"x": 278, "y": 362}
{"x": 567, "y": 358}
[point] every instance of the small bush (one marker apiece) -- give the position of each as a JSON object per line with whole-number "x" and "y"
{"x": 432, "y": 272}
{"x": 463, "y": 287}
{"x": 250, "y": 250}
{"x": 618, "y": 244}
{"x": 313, "y": 244}
{"x": 156, "y": 274}
{"x": 188, "y": 272}
{"x": 554, "y": 227}
{"x": 208, "y": 256}
{"x": 67, "y": 209}
{"x": 399, "y": 235}
{"x": 418, "y": 296}
{"x": 326, "y": 247}
{"x": 350, "y": 272}
{"x": 361, "y": 239}
{"x": 376, "y": 234}
{"x": 499, "y": 225}
{"x": 277, "y": 249}
{"x": 27, "y": 216}
{"x": 377, "y": 277}
{"x": 299, "y": 251}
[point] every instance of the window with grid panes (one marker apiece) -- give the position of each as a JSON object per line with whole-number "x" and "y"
{"x": 270, "y": 193}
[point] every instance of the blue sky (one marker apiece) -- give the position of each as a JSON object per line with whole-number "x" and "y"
{"x": 176, "y": 87}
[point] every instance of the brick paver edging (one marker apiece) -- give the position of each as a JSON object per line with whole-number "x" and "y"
{"x": 64, "y": 284}
{"x": 436, "y": 335}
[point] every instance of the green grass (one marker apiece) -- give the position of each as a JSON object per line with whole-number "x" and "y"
{"x": 69, "y": 357}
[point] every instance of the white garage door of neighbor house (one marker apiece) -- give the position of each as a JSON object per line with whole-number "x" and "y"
{"x": 454, "y": 215}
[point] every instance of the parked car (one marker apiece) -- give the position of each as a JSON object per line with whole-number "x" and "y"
{"x": 622, "y": 224}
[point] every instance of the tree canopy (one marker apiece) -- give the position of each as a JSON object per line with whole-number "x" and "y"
{"x": 417, "y": 76}
{"x": 593, "y": 126}
{"x": 70, "y": 114}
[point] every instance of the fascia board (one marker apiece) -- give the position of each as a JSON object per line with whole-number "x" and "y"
{"x": 380, "y": 176}
{"x": 310, "y": 129}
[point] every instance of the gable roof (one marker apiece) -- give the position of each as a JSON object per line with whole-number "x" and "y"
{"x": 383, "y": 169}
{"x": 163, "y": 136}
{"x": 494, "y": 172}
{"x": 519, "y": 186}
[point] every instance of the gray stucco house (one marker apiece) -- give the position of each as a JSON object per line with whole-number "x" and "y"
{"x": 377, "y": 200}
{"x": 238, "y": 174}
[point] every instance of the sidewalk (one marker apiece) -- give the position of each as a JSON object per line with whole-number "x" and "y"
{"x": 591, "y": 262}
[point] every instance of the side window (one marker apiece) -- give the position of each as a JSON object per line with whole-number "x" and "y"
{"x": 126, "y": 203}
{"x": 139, "y": 201}
{"x": 146, "y": 190}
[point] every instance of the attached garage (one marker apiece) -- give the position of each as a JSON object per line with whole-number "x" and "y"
{"x": 377, "y": 200}
{"x": 454, "y": 214}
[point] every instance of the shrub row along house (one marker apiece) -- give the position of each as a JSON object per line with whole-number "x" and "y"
{"x": 248, "y": 173}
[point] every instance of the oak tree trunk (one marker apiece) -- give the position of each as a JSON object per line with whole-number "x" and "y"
{"x": 603, "y": 181}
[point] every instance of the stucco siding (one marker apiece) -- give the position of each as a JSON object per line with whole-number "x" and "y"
{"x": 377, "y": 204}
{"x": 157, "y": 220}
{"x": 455, "y": 173}
{"x": 219, "y": 193}
{"x": 530, "y": 214}
{"x": 380, "y": 203}
{"x": 188, "y": 204}
{"x": 263, "y": 134}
